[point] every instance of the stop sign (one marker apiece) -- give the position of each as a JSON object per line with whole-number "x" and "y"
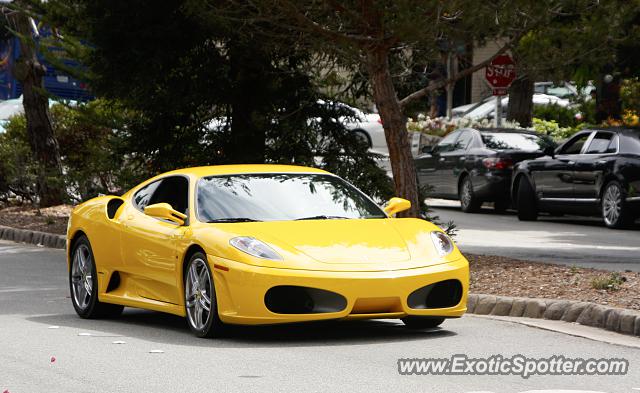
{"x": 500, "y": 73}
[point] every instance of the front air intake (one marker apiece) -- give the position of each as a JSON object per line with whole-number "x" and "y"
{"x": 289, "y": 299}
{"x": 441, "y": 294}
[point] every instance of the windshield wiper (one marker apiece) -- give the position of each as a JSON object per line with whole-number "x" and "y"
{"x": 322, "y": 217}
{"x": 233, "y": 219}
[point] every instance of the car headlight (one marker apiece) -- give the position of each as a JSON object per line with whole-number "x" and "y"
{"x": 442, "y": 243}
{"x": 254, "y": 247}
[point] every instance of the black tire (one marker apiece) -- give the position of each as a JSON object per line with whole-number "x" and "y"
{"x": 615, "y": 211}
{"x": 501, "y": 205}
{"x": 527, "y": 206}
{"x": 413, "y": 322}
{"x": 363, "y": 136}
{"x": 469, "y": 203}
{"x": 91, "y": 307}
{"x": 213, "y": 326}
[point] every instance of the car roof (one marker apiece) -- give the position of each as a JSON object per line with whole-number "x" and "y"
{"x": 214, "y": 170}
{"x": 621, "y": 130}
{"x": 507, "y": 130}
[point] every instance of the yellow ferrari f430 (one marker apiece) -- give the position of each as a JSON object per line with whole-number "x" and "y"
{"x": 260, "y": 244}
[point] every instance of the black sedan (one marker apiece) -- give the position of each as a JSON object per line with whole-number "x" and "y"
{"x": 594, "y": 172}
{"x": 475, "y": 165}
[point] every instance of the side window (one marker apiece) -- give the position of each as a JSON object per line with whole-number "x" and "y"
{"x": 173, "y": 190}
{"x": 463, "y": 142}
{"x": 143, "y": 196}
{"x": 447, "y": 143}
{"x": 603, "y": 142}
{"x": 574, "y": 146}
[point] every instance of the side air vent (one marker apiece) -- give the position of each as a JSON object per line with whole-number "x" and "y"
{"x": 114, "y": 282}
{"x": 112, "y": 207}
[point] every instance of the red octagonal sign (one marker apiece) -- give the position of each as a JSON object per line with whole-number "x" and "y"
{"x": 500, "y": 73}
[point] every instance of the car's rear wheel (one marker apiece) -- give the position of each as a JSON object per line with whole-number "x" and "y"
{"x": 414, "y": 322}
{"x": 527, "y": 209}
{"x": 200, "y": 298}
{"x": 468, "y": 201}
{"x": 83, "y": 284}
{"x": 615, "y": 211}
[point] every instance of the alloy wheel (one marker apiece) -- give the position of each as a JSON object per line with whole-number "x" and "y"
{"x": 466, "y": 193}
{"x": 198, "y": 294}
{"x": 82, "y": 276}
{"x": 612, "y": 204}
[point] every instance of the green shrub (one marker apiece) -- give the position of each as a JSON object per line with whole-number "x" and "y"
{"x": 611, "y": 282}
{"x": 17, "y": 167}
{"x": 564, "y": 116}
{"x": 89, "y": 139}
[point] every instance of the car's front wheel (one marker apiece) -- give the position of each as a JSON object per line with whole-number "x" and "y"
{"x": 83, "y": 283}
{"x": 200, "y": 298}
{"x": 414, "y": 322}
{"x": 615, "y": 211}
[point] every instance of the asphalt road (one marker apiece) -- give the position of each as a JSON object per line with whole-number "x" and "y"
{"x": 37, "y": 322}
{"x": 569, "y": 240}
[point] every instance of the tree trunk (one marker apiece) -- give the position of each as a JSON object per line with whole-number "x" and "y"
{"x": 395, "y": 129}
{"x": 29, "y": 71}
{"x": 521, "y": 101}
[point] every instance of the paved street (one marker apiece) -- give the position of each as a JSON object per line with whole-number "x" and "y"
{"x": 37, "y": 322}
{"x": 569, "y": 240}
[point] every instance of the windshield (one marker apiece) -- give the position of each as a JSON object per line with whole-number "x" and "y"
{"x": 512, "y": 141}
{"x": 280, "y": 197}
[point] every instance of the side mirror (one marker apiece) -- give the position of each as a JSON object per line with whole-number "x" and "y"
{"x": 427, "y": 149}
{"x": 166, "y": 212}
{"x": 396, "y": 205}
{"x": 549, "y": 151}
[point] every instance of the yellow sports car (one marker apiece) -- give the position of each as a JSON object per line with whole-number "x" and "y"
{"x": 260, "y": 244}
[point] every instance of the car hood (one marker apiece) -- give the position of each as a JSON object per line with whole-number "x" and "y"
{"x": 367, "y": 244}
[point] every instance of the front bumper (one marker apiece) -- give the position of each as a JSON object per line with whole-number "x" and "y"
{"x": 241, "y": 289}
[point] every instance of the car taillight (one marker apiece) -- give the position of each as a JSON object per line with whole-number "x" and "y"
{"x": 497, "y": 163}
{"x": 380, "y": 120}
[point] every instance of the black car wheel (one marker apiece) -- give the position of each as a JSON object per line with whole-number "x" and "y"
{"x": 615, "y": 212}
{"x": 200, "y": 298}
{"x": 527, "y": 209}
{"x": 413, "y": 322}
{"x": 83, "y": 284}
{"x": 468, "y": 201}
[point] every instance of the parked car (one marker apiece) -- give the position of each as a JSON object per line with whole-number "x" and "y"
{"x": 487, "y": 108}
{"x": 594, "y": 172}
{"x": 475, "y": 165}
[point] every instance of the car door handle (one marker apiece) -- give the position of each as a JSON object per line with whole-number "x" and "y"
{"x": 441, "y": 159}
{"x": 571, "y": 162}
{"x": 463, "y": 158}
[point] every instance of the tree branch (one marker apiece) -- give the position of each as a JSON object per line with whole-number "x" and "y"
{"x": 440, "y": 83}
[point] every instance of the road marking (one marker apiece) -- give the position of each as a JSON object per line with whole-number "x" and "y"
{"x": 26, "y": 289}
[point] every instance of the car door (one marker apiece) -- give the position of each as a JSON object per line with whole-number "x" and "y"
{"x": 427, "y": 165}
{"x": 590, "y": 166}
{"x": 148, "y": 244}
{"x": 451, "y": 164}
{"x": 554, "y": 179}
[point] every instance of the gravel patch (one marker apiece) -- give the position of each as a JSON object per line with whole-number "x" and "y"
{"x": 494, "y": 275}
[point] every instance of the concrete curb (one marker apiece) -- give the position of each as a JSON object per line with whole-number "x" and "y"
{"x": 618, "y": 320}
{"x": 33, "y": 237}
